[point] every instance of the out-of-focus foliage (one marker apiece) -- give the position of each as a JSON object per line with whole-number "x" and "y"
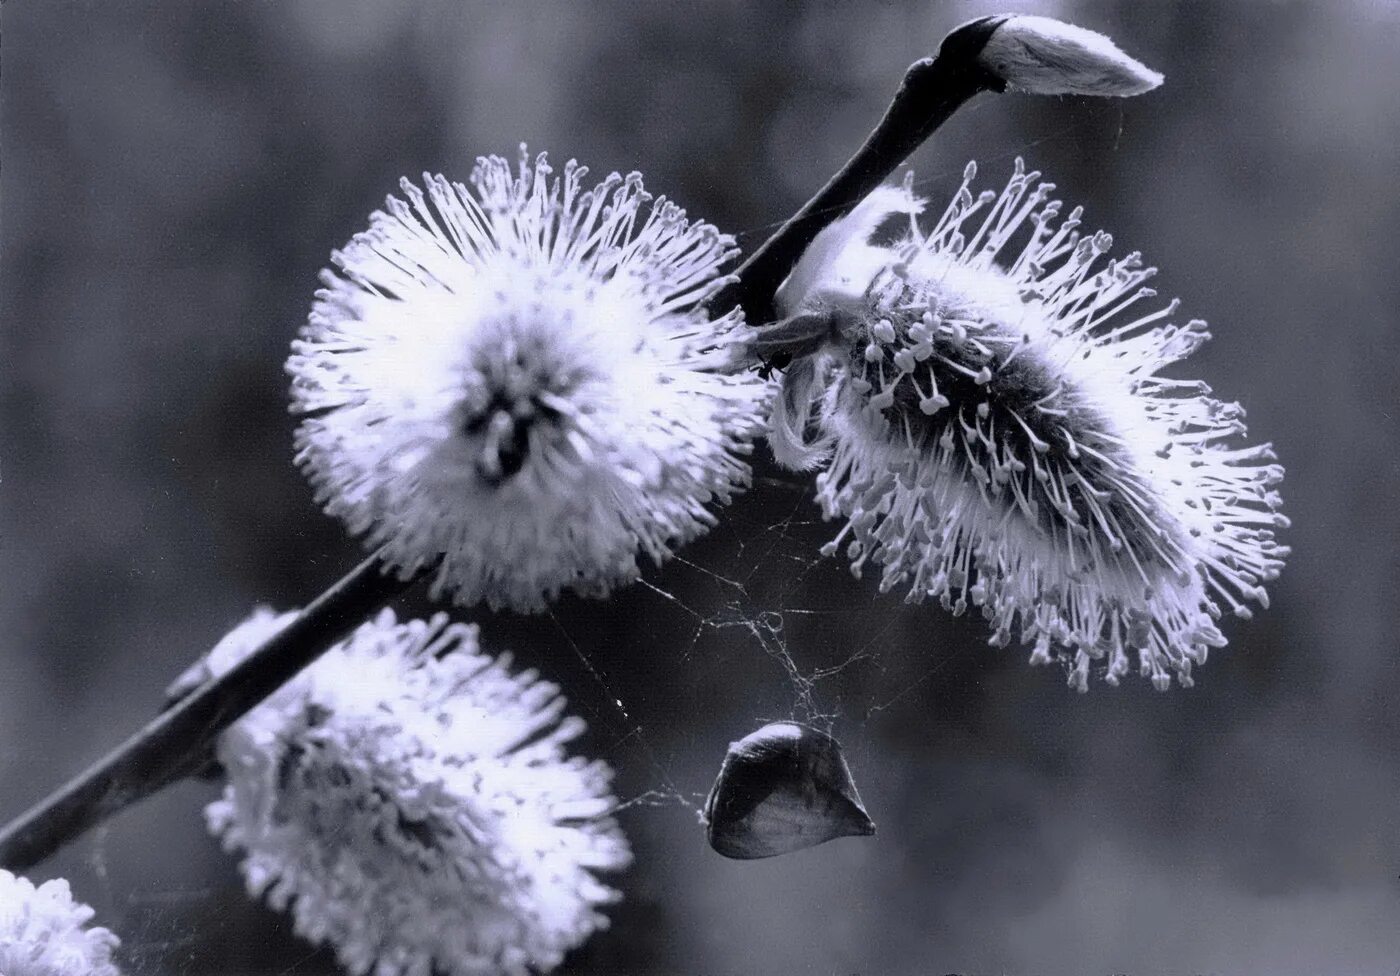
{"x": 175, "y": 174}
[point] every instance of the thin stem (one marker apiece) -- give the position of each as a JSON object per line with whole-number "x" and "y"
{"x": 177, "y": 742}
{"x": 932, "y": 90}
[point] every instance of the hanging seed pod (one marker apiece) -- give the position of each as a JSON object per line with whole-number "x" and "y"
{"x": 780, "y": 789}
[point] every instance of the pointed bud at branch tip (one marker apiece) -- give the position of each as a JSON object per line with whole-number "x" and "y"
{"x": 1043, "y": 56}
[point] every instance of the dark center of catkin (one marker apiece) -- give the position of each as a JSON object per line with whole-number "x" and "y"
{"x": 513, "y": 390}
{"x": 1011, "y": 417}
{"x": 506, "y": 425}
{"x": 324, "y": 791}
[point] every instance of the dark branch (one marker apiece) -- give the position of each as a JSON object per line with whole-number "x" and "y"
{"x": 932, "y": 90}
{"x": 178, "y": 742}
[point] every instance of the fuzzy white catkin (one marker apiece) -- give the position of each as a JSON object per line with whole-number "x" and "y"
{"x": 995, "y": 431}
{"x": 518, "y": 383}
{"x": 411, "y": 802}
{"x": 44, "y": 932}
{"x": 1044, "y": 56}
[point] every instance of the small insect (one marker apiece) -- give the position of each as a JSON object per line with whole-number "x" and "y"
{"x": 775, "y": 363}
{"x": 780, "y": 789}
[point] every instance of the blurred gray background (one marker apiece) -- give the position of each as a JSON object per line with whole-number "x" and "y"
{"x": 175, "y": 174}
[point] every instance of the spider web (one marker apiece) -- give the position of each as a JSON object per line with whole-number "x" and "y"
{"x": 735, "y": 599}
{"x": 753, "y": 592}
{"x": 762, "y": 589}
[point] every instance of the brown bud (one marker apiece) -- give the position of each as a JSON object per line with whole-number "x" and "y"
{"x": 780, "y": 789}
